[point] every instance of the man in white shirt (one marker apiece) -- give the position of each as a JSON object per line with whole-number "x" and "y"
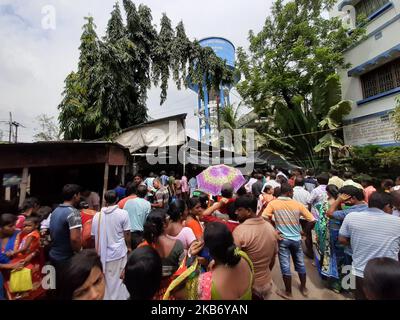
{"x": 111, "y": 230}
{"x": 300, "y": 194}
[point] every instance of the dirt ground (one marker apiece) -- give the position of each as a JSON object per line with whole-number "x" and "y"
{"x": 317, "y": 289}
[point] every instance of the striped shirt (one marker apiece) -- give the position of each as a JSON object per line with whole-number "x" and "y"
{"x": 373, "y": 234}
{"x": 286, "y": 213}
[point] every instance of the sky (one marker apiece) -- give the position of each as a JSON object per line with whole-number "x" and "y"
{"x": 37, "y": 52}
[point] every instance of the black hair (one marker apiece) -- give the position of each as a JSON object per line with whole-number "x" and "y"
{"x": 247, "y": 201}
{"x": 30, "y": 203}
{"x": 380, "y": 200}
{"x": 332, "y": 190}
{"x": 299, "y": 182}
{"x": 131, "y": 189}
{"x": 286, "y": 188}
{"x": 348, "y": 175}
{"x": 33, "y": 218}
{"x": 192, "y": 202}
{"x": 267, "y": 187}
{"x": 277, "y": 192}
{"x": 176, "y": 210}
{"x": 141, "y": 191}
{"x": 143, "y": 273}
{"x": 111, "y": 197}
{"x": 281, "y": 179}
{"x": 353, "y": 191}
{"x": 69, "y": 191}
{"x": 310, "y": 172}
{"x": 204, "y": 200}
{"x": 154, "y": 225}
{"x": 6, "y": 219}
{"x": 382, "y": 279}
{"x": 138, "y": 175}
{"x": 387, "y": 183}
{"x": 76, "y": 272}
{"x": 241, "y": 191}
{"x": 128, "y": 177}
{"x": 272, "y": 175}
{"x": 219, "y": 240}
{"x": 227, "y": 190}
{"x": 83, "y": 204}
{"x": 323, "y": 178}
{"x": 334, "y": 172}
{"x": 44, "y": 212}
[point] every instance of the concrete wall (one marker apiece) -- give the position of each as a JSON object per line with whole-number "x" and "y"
{"x": 376, "y": 43}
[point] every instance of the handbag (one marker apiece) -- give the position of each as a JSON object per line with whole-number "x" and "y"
{"x": 21, "y": 281}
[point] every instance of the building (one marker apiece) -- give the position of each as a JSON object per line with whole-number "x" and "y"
{"x": 41, "y": 169}
{"x": 373, "y": 80}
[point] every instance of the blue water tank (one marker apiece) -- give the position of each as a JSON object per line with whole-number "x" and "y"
{"x": 223, "y": 48}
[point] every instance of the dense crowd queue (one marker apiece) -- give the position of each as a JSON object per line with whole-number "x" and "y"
{"x": 160, "y": 237}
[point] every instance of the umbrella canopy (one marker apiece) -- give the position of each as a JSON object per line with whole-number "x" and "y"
{"x": 213, "y": 178}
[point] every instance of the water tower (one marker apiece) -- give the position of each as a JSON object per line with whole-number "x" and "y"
{"x": 207, "y": 104}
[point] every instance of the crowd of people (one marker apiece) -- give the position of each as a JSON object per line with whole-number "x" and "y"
{"x": 160, "y": 237}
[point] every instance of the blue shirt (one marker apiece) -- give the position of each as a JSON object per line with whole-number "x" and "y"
{"x": 339, "y": 215}
{"x": 120, "y": 191}
{"x": 63, "y": 219}
{"x": 164, "y": 180}
{"x": 138, "y": 210}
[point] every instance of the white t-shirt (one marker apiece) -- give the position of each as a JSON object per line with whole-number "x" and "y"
{"x": 186, "y": 236}
{"x": 116, "y": 221}
{"x": 301, "y": 195}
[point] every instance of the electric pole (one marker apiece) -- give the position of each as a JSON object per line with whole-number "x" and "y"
{"x": 10, "y": 133}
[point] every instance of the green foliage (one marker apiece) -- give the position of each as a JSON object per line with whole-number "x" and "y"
{"x": 379, "y": 162}
{"x": 231, "y": 120}
{"x": 289, "y": 77}
{"x": 108, "y": 92}
{"x": 396, "y": 119}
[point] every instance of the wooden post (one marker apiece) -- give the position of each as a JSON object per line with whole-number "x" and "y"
{"x": 23, "y": 186}
{"x": 105, "y": 182}
{"x": 123, "y": 175}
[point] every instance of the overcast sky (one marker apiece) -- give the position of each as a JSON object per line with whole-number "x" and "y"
{"x": 35, "y": 61}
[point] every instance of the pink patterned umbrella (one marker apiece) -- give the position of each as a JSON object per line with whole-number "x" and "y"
{"x": 212, "y": 179}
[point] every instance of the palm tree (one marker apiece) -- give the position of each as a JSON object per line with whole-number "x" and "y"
{"x": 233, "y": 124}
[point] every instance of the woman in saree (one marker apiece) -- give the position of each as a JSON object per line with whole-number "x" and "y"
{"x": 8, "y": 236}
{"x": 327, "y": 255}
{"x": 171, "y": 251}
{"x": 231, "y": 275}
{"x": 27, "y": 251}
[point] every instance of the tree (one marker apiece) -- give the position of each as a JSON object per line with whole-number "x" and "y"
{"x": 232, "y": 120}
{"x": 48, "y": 129}
{"x": 108, "y": 92}
{"x": 287, "y": 74}
{"x": 396, "y": 119}
{"x": 80, "y": 93}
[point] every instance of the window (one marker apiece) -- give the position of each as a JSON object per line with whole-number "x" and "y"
{"x": 367, "y": 7}
{"x": 382, "y": 79}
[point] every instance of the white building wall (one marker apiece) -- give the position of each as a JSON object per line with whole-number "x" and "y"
{"x": 366, "y": 50}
